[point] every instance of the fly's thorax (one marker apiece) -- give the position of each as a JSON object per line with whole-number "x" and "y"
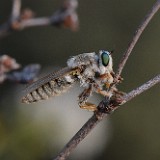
{"x": 82, "y": 59}
{"x": 89, "y": 72}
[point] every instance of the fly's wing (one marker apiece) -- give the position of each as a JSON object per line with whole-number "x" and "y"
{"x": 50, "y": 85}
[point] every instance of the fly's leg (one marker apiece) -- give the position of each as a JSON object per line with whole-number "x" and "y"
{"x": 107, "y": 93}
{"x": 105, "y": 104}
{"x": 113, "y": 97}
{"x": 83, "y": 97}
{"x": 106, "y": 79}
{"x": 104, "y": 93}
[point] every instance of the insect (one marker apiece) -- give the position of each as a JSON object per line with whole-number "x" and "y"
{"x": 93, "y": 71}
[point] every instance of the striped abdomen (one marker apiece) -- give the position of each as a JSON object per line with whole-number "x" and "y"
{"x": 51, "y": 88}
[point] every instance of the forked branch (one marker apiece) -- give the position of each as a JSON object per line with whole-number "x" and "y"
{"x": 99, "y": 116}
{"x": 66, "y": 17}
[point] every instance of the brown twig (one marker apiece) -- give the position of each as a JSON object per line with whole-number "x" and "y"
{"x": 65, "y": 16}
{"x": 9, "y": 71}
{"x": 142, "y": 88}
{"x": 43, "y": 21}
{"x": 98, "y": 116}
{"x": 136, "y": 36}
{"x": 80, "y": 135}
{"x": 16, "y": 9}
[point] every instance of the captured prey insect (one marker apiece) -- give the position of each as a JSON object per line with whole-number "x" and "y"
{"x": 93, "y": 71}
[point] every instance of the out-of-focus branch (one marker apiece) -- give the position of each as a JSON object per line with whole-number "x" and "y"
{"x": 16, "y": 9}
{"x": 7, "y": 64}
{"x": 66, "y": 17}
{"x": 110, "y": 106}
{"x": 43, "y": 21}
{"x": 9, "y": 71}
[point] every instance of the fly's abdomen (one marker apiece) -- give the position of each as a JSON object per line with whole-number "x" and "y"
{"x": 52, "y": 88}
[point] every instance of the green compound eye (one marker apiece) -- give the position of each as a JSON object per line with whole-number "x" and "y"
{"x": 105, "y": 58}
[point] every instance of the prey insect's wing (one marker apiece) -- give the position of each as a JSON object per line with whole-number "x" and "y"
{"x": 50, "y": 85}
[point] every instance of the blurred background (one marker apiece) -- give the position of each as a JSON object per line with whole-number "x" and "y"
{"x": 39, "y": 131}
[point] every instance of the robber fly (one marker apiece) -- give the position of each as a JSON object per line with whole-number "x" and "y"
{"x": 93, "y": 71}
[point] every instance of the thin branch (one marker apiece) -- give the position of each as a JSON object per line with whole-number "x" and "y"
{"x": 57, "y": 19}
{"x": 34, "y": 22}
{"x": 136, "y": 36}
{"x": 99, "y": 116}
{"x": 79, "y": 136}
{"x": 16, "y": 9}
{"x": 142, "y": 88}
{"x": 10, "y": 71}
{"x": 66, "y": 17}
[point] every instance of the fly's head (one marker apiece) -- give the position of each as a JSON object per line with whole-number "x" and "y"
{"x": 105, "y": 63}
{"x": 94, "y": 67}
